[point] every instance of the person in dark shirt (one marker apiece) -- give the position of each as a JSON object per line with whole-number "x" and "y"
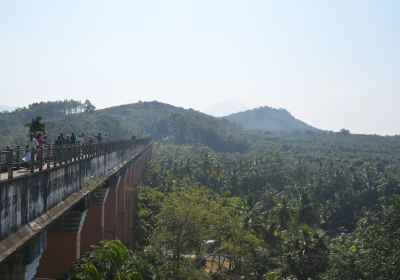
{"x": 62, "y": 138}
{"x": 99, "y": 138}
{"x": 73, "y": 139}
{"x": 58, "y": 142}
{"x": 58, "y": 152}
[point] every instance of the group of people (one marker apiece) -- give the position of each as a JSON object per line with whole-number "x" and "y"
{"x": 33, "y": 144}
{"x": 40, "y": 140}
{"x": 81, "y": 139}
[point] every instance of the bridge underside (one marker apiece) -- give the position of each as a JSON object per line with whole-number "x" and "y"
{"x": 103, "y": 208}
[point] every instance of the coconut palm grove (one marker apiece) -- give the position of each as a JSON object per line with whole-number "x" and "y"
{"x": 255, "y": 195}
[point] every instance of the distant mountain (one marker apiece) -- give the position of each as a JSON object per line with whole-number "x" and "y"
{"x": 269, "y": 119}
{"x": 224, "y": 108}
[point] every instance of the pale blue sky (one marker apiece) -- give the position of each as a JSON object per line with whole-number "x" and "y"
{"x": 332, "y": 64}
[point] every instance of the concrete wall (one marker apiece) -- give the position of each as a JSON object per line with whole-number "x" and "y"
{"x": 25, "y": 198}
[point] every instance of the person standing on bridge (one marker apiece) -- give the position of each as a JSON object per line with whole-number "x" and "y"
{"x": 31, "y": 147}
{"x": 73, "y": 139}
{"x": 62, "y": 138}
{"x": 32, "y": 142}
{"x": 99, "y": 138}
{"x": 84, "y": 139}
{"x": 41, "y": 141}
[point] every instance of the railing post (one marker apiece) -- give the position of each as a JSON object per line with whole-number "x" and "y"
{"x": 74, "y": 148}
{"x": 49, "y": 157}
{"x": 65, "y": 153}
{"x": 55, "y": 152}
{"x": 9, "y": 157}
{"x": 18, "y": 157}
{"x": 32, "y": 160}
{"x": 69, "y": 148}
{"x": 41, "y": 154}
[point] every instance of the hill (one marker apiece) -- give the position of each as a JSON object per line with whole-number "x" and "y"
{"x": 182, "y": 126}
{"x": 269, "y": 119}
{"x": 158, "y": 120}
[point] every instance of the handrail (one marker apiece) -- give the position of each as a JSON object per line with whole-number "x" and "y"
{"x": 50, "y": 156}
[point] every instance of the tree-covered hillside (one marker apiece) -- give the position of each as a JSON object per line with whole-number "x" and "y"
{"x": 62, "y": 117}
{"x": 157, "y": 120}
{"x": 269, "y": 119}
{"x": 181, "y": 126}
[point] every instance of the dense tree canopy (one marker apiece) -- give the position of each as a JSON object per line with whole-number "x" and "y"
{"x": 318, "y": 214}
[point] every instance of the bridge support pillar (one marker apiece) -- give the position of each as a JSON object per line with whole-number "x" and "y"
{"x": 93, "y": 229}
{"x": 110, "y": 211}
{"x": 63, "y": 243}
{"x": 130, "y": 192}
{"x": 120, "y": 226}
{"x": 23, "y": 265}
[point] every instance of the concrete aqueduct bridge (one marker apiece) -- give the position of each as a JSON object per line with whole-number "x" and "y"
{"x": 49, "y": 218}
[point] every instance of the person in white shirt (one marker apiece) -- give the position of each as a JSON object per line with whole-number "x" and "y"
{"x": 33, "y": 143}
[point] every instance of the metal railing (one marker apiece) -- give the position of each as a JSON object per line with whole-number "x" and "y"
{"x": 49, "y": 156}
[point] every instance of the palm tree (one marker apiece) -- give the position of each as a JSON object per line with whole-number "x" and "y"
{"x": 111, "y": 261}
{"x": 36, "y": 125}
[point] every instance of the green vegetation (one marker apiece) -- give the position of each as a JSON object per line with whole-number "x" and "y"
{"x": 220, "y": 202}
{"x": 314, "y": 213}
{"x": 155, "y": 119}
{"x": 111, "y": 261}
{"x": 36, "y": 126}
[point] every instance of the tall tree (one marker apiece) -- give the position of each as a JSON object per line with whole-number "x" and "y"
{"x": 88, "y": 106}
{"x": 36, "y": 125}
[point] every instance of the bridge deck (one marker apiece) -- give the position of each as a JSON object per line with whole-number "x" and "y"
{"x": 20, "y": 172}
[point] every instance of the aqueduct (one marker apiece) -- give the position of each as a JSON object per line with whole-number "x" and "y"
{"x": 50, "y": 215}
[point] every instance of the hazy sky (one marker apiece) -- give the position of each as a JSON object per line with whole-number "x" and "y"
{"x": 332, "y": 64}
